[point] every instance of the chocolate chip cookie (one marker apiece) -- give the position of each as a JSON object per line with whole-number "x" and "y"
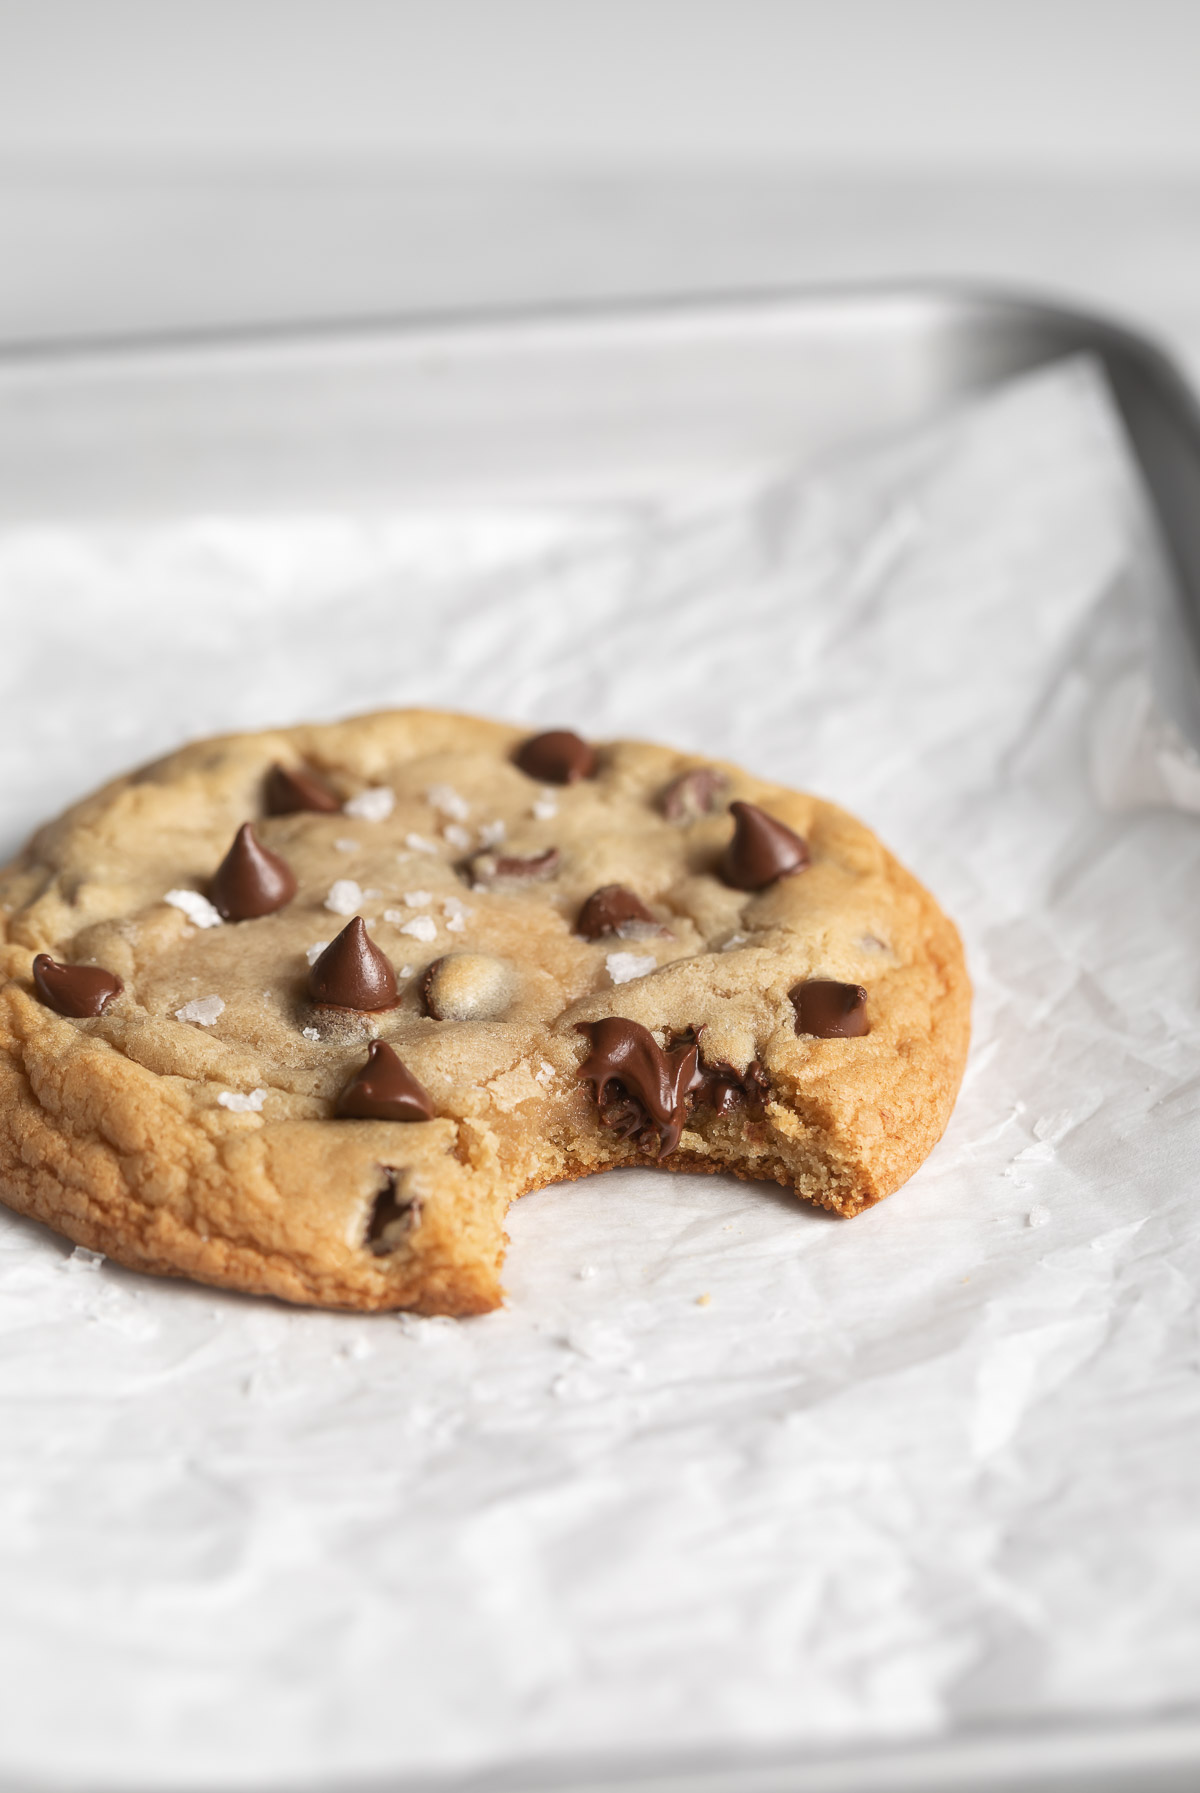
{"x": 301, "y": 1013}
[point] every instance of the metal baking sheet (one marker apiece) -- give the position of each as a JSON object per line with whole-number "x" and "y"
{"x": 656, "y": 399}
{"x": 642, "y": 399}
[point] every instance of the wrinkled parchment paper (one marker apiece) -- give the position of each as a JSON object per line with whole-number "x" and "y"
{"x": 724, "y": 1473}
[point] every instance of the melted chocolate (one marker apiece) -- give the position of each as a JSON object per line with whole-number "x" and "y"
{"x": 829, "y": 1010}
{"x": 640, "y": 1089}
{"x": 694, "y": 794}
{"x": 761, "y": 850}
{"x": 724, "y": 1089}
{"x": 384, "y": 1089}
{"x": 557, "y": 757}
{"x": 352, "y": 973}
{"x": 75, "y": 990}
{"x": 251, "y": 880}
{"x": 611, "y": 909}
{"x": 392, "y": 1215}
{"x": 289, "y": 790}
{"x": 506, "y": 868}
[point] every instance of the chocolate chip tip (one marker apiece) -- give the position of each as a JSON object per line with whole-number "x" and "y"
{"x": 762, "y": 849}
{"x": 289, "y": 790}
{"x": 352, "y": 973}
{"x": 251, "y": 880}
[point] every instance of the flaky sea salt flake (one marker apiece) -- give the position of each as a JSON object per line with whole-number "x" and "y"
{"x": 421, "y": 927}
{"x": 372, "y": 805}
{"x": 311, "y": 1033}
{"x": 459, "y": 838}
{"x": 197, "y": 908}
{"x": 491, "y": 834}
{"x": 418, "y": 899}
{"x": 346, "y": 846}
{"x": 313, "y": 953}
{"x": 546, "y": 807}
{"x": 202, "y": 1009}
{"x": 416, "y": 843}
{"x": 344, "y": 898}
{"x": 446, "y": 800}
{"x": 623, "y": 968}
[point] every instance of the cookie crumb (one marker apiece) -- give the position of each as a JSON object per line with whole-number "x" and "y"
{"x": 197, "y": 908}
{"x": 237, "y": 1103}
{"x": 83, "y": 1259}
{"x": 202, "y": 1009}
{"x": 623, "y": 968}
{"x": 345, "y": 896}
{"x": 372, "y": 805}
{"x": 704, "y": 1300}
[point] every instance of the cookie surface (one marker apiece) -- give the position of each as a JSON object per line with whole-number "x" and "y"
{"x": 449, "y": 962}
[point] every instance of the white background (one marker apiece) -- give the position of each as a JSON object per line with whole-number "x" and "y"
{"x": 614, "y": 83}
{"x": 176, "y": 165}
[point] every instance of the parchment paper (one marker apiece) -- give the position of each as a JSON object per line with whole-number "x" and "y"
{"x": 724, "y": 1472}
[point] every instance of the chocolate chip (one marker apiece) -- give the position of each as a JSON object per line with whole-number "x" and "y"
{"x": 467, "y": 987}
{"x": 506, "y": 868}
{"x": 352, "y": 973}
{"x": 391, "y": 1217}
{"x": 289, "y": 790}
{"x": 614, "y": 910}
{"x": 640, "y": 1089}
{"x": 761, "y": 850}
{"x": 829, "y": 1010}
{"x": 694, "y": 794}
{"x": 384, "y": 1089}
{"x": 557, "y": 757}
{"x": 251, "y": 880}
{"x": 75, "y": 990}
{"x": 722, "y": 1088}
